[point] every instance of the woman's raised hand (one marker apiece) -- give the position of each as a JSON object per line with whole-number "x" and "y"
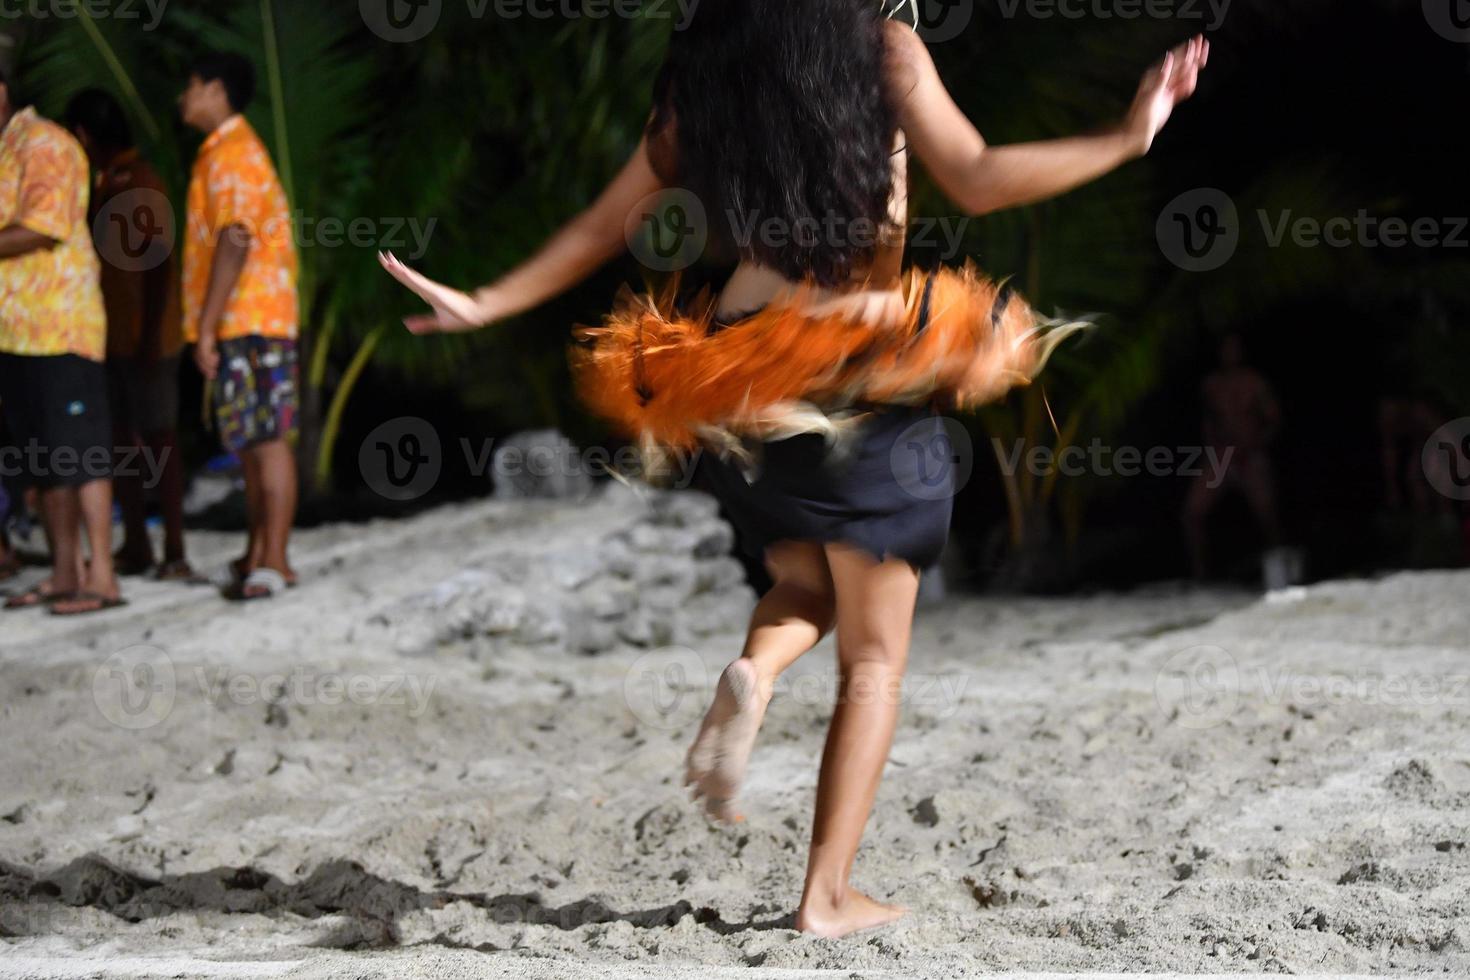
{"x": 454, "y": 311}
{"x": 1164, "y": 86}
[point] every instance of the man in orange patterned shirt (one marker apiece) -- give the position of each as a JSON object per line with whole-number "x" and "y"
{"x": 240, "y": 309}
{"x": 53, "y": 337}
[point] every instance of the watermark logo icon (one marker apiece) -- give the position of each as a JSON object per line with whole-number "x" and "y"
{"x": 667, "y": 688}
{"x": 1449, "y": 18}
{"x": 668, "y": 231}
{"x": 135, "y": 231}
{"x": 1198, "y": 688}
{"x": 933, "y": 459}
{"x": 1446, "y": 459}
{"x": 135, "y": 688}
{"x": 938, "y": 20}
{"x": 401, "y": 459}
{"x": 1199, "y": 231}
{"x": 401, "y": 21}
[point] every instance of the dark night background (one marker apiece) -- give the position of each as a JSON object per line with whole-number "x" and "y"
{"x": 502, "y": 129}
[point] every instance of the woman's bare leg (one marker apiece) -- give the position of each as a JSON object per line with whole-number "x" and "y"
{"x": 875, "y": 614}
{"x": 789, "y": 620}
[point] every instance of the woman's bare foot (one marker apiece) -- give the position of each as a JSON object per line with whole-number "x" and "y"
{"x": 855, "y": 912}
{"x": 716, "y": 763}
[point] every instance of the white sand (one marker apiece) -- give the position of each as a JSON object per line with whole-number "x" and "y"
{"x": 1150, "y": 782}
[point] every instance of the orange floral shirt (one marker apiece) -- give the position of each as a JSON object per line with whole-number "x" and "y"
{"x": 234, "y": 182}
{"x": 50, "y": 299}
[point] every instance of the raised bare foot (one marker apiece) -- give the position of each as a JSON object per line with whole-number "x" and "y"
{"x": 854, "y": 913}
{"x": 715, "y": 765}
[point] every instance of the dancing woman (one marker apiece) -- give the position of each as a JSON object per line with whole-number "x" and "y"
{"x": 818, "y": 355}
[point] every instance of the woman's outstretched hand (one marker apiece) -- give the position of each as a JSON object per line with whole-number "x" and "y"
{"x": 1164, "y": 86}
{"x": 454, "y": 311}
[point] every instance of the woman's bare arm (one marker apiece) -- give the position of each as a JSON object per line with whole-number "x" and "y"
{"x": 980, "y": 178}
{"x": 579, "y": 248}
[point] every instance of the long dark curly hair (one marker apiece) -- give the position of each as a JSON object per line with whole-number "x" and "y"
{"x": 776, "y": 109}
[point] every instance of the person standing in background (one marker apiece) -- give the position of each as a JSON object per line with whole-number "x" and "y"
{"x": 53, "y": 338}
{"x": 144, "y": 335}
{"x": 241, "y": 310}
{"x": 1241, "y": 420}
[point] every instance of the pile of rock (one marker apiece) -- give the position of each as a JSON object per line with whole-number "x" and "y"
{"x": 664, "y": 578}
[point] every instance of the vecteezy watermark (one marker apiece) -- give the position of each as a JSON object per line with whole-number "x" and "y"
{"x": 135, "y": 688}
{"x": 1097, "y": 459}
{"x": 862, "y": 233}
{"x": 1364, "y": 230}
{"x": 70, "y": 465}
{"x": 1450, "y": 19}
{"x": 1198, "y": 688}
{"x": 667, "y": 688}
{"x": 933, "y": 459}
{"x": 672, "y": 687}
{"x": 1173, "y": 10}
{"x": 407, "y": 21}
{"x": 674, "y": 470}
{"x": 310, "y": 687}
{"x": 1201, "y": 230}
{"x": 403, "y": 459}
{"x": 670, "y": 230}
{"x": 936, "y": 21}
{"x": 135, "y": 231}
{"x": 1446, "y": 459}
{"x": 938, "y": 694}
{"x": 152, "y": 10}
{"x": 310, "y": 231}
{"x": 1364, "y": 687}
{"x": 1203, "y": 687}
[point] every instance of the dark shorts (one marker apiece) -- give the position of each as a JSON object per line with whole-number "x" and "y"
{"x": 144, "y": 396}
{"x": 889, "y": 491}
{"x": 879, "y": 495}
{"x": 59, "y": 426}
{"x": 255, "y": 393}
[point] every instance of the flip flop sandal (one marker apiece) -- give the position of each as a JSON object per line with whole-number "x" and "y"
{"x": 102, "y": 604}
{"x": 176, "y": 571}
{"x": 263, "y": 583}
{"x": 36, "y": 598}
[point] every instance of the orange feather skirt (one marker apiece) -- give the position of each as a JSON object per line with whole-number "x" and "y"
{"x": 675, "y": 381}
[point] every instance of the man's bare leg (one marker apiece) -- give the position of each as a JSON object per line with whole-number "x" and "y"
{"x": 254, "y": 515}
{"x": 137, "y": 550}
{"x": 275, "y": 468}
{"x": 789, "y": 620}
{"x": 875, "y": 611}
{"x": 1197, "y": 506}
{"x": 61, "y": 518}
{"x": 1258, "y": 484}
{"x": 99, "y": 581}
{"x": 165, "y": 449}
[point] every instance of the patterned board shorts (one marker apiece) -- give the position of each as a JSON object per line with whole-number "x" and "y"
{"x": 255, "y": 393}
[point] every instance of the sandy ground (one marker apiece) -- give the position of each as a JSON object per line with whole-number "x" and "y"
{"x": 1160, "y": 781}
